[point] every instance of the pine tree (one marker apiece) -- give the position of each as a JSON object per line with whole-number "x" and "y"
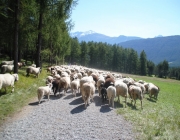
{"x": 143, "y": 63}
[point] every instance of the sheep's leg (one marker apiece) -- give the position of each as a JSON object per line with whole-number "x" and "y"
{"x": 109, "y": 101}
{"x": 12, "y": 89}
{"x": 118, "y": 98}
{"x": 125, "y": 101}
{"x": 75, "y": 92}
{"x": 99, "y": 91}
{"x": 5, "y": 89}
{"x": 92, "y": 98}
{"x": 39, "y": 98}
{"x": 141, "y": 104}
{"x": 72, "y": 90}
{"x": 86, "y": 103}
{"x": 48, "y": 97}
{"x": 112, "y": 102}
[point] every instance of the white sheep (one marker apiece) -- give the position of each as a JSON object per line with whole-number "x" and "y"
{"x": 7, "y": 68}
{"x": 121, "y": 90}
{"x": 33, "y": 70}
{"x": 49, "y": 79}
{"x": 88, "y": 90}
{"x": 75, "y": 86}
{"x": 7, "y": 62}
{"x": 135, "y": 92}
{"x": 44, "y": 90}
{"x": 111, "y": 94}
{"x": 33, "y": 65}
{"x": 86, "y": 79}
{"x": 8, "y": 80}
{"x": 64, "y": 83}
{"x": 152, "y": 89}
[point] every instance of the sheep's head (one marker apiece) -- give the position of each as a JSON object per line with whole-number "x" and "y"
{"x": 16, "y": 76}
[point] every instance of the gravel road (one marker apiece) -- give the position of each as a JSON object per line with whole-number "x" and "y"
{"x": 65, "y": 118}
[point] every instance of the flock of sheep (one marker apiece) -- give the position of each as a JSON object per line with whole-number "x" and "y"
{"x": 83, "y": 80}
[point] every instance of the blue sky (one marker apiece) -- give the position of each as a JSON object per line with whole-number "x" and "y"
{"x": 143, "y": 18}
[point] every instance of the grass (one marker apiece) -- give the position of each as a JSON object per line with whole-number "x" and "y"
{"x": 159, "y": 119}
{"x": 25, "y": 90}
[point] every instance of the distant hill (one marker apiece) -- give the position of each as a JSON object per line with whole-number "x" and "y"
{"x": 158, "y": 49}
{"x": 97, "y": 37}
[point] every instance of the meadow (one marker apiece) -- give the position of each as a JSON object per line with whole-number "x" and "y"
{"x": 157, "y": 120}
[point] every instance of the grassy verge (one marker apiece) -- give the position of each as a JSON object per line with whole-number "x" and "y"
{"x": 159, "y": 119}
{"x": 25, "y": 90}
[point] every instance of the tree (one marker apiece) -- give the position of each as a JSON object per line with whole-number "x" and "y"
{"x": 165, "y": 68}
{"x": 75, "y": 51}
{"x": 143, "y": 63}
{"x": 16, "y": 30}
{"x": 84, "y": 53}
{"x": 150, "y": 68}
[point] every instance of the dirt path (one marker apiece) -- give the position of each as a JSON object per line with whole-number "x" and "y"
{"x": 65, "y": 117}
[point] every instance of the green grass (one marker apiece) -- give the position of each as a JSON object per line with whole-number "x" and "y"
{"x": 159, "y": 119}
{"x": 25, "y": 90}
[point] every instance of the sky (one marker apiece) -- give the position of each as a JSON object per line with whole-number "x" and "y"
{"x": 142, "y": 18}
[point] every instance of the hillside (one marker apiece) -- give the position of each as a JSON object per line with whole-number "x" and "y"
{"x": 158, "y": 49}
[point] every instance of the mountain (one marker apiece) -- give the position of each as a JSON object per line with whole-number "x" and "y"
{"x": 97, "y": 37}
{"x": 158, "y": 49}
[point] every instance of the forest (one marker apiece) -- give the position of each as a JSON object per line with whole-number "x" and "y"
{"x": 39, "y": 31}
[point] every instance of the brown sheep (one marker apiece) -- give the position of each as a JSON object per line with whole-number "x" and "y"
{"x": 88, "y": 90}
{"x": 135, "y": 92}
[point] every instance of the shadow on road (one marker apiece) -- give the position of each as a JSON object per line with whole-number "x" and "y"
{"x": 105, "y": 108}
{"x": 77, "y": 101}
{"x": 78, "y": 109}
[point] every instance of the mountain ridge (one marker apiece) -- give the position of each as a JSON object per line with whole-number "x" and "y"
{"x": 157, "y": 49}
{"x": 98, "y": 37}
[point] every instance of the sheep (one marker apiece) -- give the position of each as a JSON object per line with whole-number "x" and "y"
{"x": 7, "y": 68}
{"x": 55, "y": 85}
{"x": 33, "y": 65}
{"x": 20, "y": 64}
{"x": 135, "y": 92}
{"x": 99, "y": 82}
{"x": 75, "y": 86}
{"x": 8, "y": 80}
{"x": 79, "y": 75}
{"x": 88, "y": 90}
{"x": 64, "y": 74}
{"x": 152, "y": 90}
{"x": 64, "y": 83}
{"x": 7, "y": 62}
{"x": 121, "y": 90}
{"x": 49, "y": 79}
{"x": 108, "y": 82}
{"x": 33, "y": 70}
{"x": 84, "y": 80}
{"x": 103, "y": 92}
{"x": 44, "y": 90}
{"x": 141, "y": 86}
{"x": 111, "y": 94}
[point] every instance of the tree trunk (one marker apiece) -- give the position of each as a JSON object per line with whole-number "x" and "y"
{"x": 16, "y": 28}
{"x": 39, "y": 42}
